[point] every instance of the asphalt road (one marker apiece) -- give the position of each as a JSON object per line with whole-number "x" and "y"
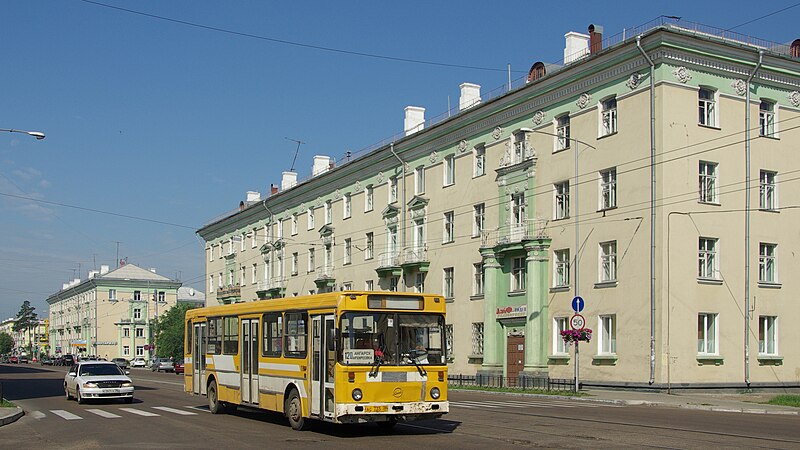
{"x": 162, "y": 415}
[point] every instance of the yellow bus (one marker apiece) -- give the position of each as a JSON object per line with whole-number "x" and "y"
{"x": 341, "y": 357}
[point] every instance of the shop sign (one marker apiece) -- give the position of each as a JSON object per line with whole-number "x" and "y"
{"x": 508, "y": 312}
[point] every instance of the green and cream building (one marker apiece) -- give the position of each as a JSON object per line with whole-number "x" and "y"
{"x": 626, "y": 176}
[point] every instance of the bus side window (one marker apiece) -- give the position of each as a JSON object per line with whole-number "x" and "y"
{"x": 272, "y": 334}
{"x": 296, "y": 336}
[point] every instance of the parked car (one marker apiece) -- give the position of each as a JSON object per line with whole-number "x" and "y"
{"x": 67, "y": 360}
{"x": 138, "y": 362}
{"x": 97, "y": 380}
{"x": 23, "y": 359}
{"x": 179, "y": 367}
{"x": 13, "y": 359}
{"x": 121, "y": 362}
{"x": 45, "y": 360}
{"x": 163, "y": 364}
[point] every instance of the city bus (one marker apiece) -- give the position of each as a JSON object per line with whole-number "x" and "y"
{"x": 340, "y": 357}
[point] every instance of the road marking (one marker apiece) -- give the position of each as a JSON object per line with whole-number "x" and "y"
{"x": 139, "y": 412}
{"x": 38, "y": 415}
{"x": 65, "y": 415}
{"x": 173, "y": 410}
{"x": 102, "y": 413}
{"x": 477, "y": 404}
{"x": 199, "y": 408}
{"x": 458, "y": 405}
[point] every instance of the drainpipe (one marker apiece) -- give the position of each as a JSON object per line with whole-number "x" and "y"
{"x": 747, "y": 223}
{"x": 403, "y": 211}
{"x": 652, "y": 211}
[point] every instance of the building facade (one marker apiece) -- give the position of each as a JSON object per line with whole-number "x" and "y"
{"x": 110, "y": 314}
{"x": 651, "y": 175}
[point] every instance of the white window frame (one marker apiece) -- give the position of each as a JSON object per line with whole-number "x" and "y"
{"x": 140, "y": 350}
{"x": 348, "y": 251}
{"x": 478, "y": 219}
{"x": 708, "y": 182}
{"x": 559, "y": 346}
{"x": 449, "y": 229}
{"x": 295, "y": 263}
{"x": 347, "y": 206}
{"x": 369, "y": 198}
{"x": 518, "y": 274}
{"x": 328, "y": 212}
{"x": 478, "y": 279}
{"x": 561, "y": 200}
{"x": 210, "y": 283}
{"x": 708, "y": 258}
{"x": 311, "y": 260}
{"x": 310, "y": 217}
{"x": 419, "y": 180}
{"x": 369, "y": 249}
{"x": 253, "y": 237}
{"x": 369, "y": 285}
{"x": 419, "y": 282}
{"x": 708, "y": 334}
{"x": 112, "y": 294}
{"x": 254, "y": 274}
{"x": 608, "y": 189}
{"x": 767, "y": 262}
{"x": 768, "y": 336}
{"x": 126, "y": 350}
{"x": 137, "y": 313}
{"x": 211, "y": 253}
{"x": 608, "y": 117}
{"x": 138, "y": 332}
{"x": 126, "y": 332}
{"x": 449, "y": 175}
{"x": 708, "y": 112}
{"x": 521, "y": 147}
{"x": 242, "y": 242}
{"x": 768, "y": 191}
{"x": 294, "y": 224}
{"x": 561, "y": 267}
{"x": 479, "y": 161}
{"x": 561, "y": 140}
{"x": 478, "y": 330}
{"x": 607, "y": 338}
{"x": 448, "y": 282}
{"x": 766, "y": 118}
{"x": 607, "y": 266}
{"x": 392, "y": 189}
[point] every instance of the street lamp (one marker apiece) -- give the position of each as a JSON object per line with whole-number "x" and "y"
{"x": 37, "y": 134}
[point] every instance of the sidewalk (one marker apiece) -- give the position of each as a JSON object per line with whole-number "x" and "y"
{"x": 9, "y": 415}
{"x": 753, "y": 403}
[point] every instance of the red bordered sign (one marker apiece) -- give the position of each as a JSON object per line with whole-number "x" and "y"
{"x": 577, "y": 322}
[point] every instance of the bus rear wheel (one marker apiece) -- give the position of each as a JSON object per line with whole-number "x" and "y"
{"x": 214, "y": 405}
{"x": 293, "y": 408}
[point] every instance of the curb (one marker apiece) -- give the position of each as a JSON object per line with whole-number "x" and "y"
{"x": 12, "y": 417}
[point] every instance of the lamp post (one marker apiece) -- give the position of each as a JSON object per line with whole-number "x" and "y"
{"x": 37, "y": 134}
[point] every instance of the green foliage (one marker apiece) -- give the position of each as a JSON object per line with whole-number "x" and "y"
{"x": 6, "y": 343}
{"x": 170, "y": 331}
{"x": 26, "y": 317}
{"x": 786, "y": 400}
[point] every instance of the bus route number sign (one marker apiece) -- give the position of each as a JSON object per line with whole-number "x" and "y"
{"x": 577, "y": 322}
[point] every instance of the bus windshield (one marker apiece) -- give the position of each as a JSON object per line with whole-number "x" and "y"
{"x": 391, "y": 339}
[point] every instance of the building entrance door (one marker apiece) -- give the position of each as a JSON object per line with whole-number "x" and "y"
{"x": 515, "y": 358}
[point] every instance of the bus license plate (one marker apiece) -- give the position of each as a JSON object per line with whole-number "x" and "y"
{"x": 375, "y": 409}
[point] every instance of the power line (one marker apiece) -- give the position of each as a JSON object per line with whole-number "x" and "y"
{"x": 763, "y": 17}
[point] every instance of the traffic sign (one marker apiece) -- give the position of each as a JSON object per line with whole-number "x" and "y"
{"x": 577, "y": 322}
{"x": 577, "y": 304}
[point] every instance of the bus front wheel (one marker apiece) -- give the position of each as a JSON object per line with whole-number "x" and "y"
{"x": 293, "y": 408}
{"x": 214, "y": 405}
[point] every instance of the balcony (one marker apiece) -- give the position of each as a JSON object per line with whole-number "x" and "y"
{"x": 229, "y": 294}
{"x": 272, "y": 288}
{"x": 325, "y": 278}
{"x": 416, "y": 258}
{"x": 389, "y": 264}
{"x": 516, "y": 233}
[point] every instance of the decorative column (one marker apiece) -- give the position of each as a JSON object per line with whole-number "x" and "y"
{"x": 538, "y": 324}
{"x": 492, "y": 330}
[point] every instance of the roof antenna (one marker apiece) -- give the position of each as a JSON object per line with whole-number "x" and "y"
{"x": 295, "y": 152}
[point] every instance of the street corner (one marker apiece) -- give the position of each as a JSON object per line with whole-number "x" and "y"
{"x": 10, "y": 415}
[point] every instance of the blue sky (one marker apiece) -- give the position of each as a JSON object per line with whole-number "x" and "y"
{"x": 172, "y": 123}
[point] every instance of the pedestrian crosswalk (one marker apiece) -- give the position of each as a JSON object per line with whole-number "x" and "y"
{"x": 116, "y": 413}
{"x": 532, "y": 403}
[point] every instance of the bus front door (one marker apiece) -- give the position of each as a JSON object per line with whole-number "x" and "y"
{"x": 323, "y": 361}
{"x": 199, "y": 359}
{"x": 249, "y": 361}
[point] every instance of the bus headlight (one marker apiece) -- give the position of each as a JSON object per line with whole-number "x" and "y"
{"x": 357, "y": 394}
{"x": 435, "y": 393}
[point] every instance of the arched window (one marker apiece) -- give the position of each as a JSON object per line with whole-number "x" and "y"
{"x": 537, "y": 71}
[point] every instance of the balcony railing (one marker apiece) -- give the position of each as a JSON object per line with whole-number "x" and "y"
{"x": 515, "y": 233}
{"x": 389, "y": 259}
{"x": 415, "y": 254}
{"x": 274, "y": 283}
{"x": 324, "y": 272}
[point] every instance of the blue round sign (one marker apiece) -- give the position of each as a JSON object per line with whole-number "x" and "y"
{"x": 577, "y": 304}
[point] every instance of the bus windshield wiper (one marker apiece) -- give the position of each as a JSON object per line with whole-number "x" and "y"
{"x": 374, "y": 371}
{"x": 420, "y": 369}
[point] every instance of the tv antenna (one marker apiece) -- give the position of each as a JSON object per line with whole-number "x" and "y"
{"x": 295, "y": 152}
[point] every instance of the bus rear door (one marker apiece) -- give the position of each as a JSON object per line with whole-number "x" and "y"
{"x": 199, "y": 358}
{"x": 249, "y": 361}
{"x": 323, "y": 361}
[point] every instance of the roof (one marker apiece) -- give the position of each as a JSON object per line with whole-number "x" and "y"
{"x": 190, "y": 294}
{"x": 133, "y": 272}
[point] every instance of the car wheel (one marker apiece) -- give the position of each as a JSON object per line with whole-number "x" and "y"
{"x": 66, "y": 391}
{"x": 79, "y": 397}
{"x": 293, "y": 408}
{"x": 214, "y": 405}
{"x": 128, "y": 400}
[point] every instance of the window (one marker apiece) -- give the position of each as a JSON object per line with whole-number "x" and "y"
{"x": 219, "y": 279}
{"x": 211, "y": 253}
{"x": 447, "y": 287}
{"x": 767, "y": 196}
{"x": 521, "y": 147}
{"x": 347, "y": 206}
{"x": 137, "y": 296}
{"x": 392, "y": 189}
{"x": 253, "y": 235}
{"x": 561, "y": 268}
{"x": 393, "y": 283}
{"x": 518, "y": 274}
{"x": 294, "y": 224}
{"x": 296, "y": 335}
{"x": 230, "y": 337}
{"x": 708, "y": 263}
{"x": 561, "y": 200}
{"x": 448, "y": 340}
{"x": 708, "y": 182}
{"x": 478, "y": 219}
{"x": 369, "y": 251}
{"x": 230, "y": 246}
{"x": 607, "y": 344}
{"x": 768, "y": 335}
{"x": 310, "y": 216}
{"x": 242, "y": 281}
{"x": 139, "y": 350}
{"x": 126, "y": 350}
{"x": 449, "y": 170}
{"x": 479, "y": 161}
{"x": 477, "y": 338}
{"x": 230, "y": 277}
{"x": 562, "y": 139}
{"x": 242, "y": 240}
{"x": 419, "y": 180}
{"x": 126, "y": 332}
{"x": 254, "y": 274}
{"x": 347, "y": 286}
{"x": 272, "y": 334}
{"x": 369, "y": 285}
{"x": 707, "y": 334}
{"x": 608, "y": 189}
{"x": 139, "y": 332}
{"x": 348, "y": 251}
{"x": 608, "y": 261}
{"x": 449, "y": 227}
{"x": 311, "y": 263}
{"x": 137, "y": 313}
{"x": 295, "y": 261}
{"x": 608, "y": 117}
{"x": 559, "y": 346}
{"x": 369, "y": 199}
{"x": 766, "y": 119}
{"x": 112, "y": 294}
{"x": 328, "y": 212}
{"x": 478, "y": 279}
{"x": 707, "y": 107}
{"x": 767, "y": 263}
{"x": 419, "y": 282}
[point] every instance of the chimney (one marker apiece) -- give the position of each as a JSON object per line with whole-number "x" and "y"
{"x": 153, "y": 269}
{"x": 470, "y": 95}
{"x": 103, "y": 269}
{"x": 321, "y": 165}
{"x": 253, "y": 196}
{"x": 273, "y": 189}
{"x": 92, "y": 274}
{"x": 577, "y": 46}
{"x": 64, "y": 286}
{"x": 289, "y": 180}
{"x": 415, "y": 119}
{"x": 595, "y": 38}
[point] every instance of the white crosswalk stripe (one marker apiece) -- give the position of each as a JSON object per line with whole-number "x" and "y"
{"x": 175, "y": 411}
{"x": 102, "y": 413}
{"x": 139, "y": 412}
{"x": 38, "y": 415}
{"x": 65, "y": 414}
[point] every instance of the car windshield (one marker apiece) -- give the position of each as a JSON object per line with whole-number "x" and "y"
{"x": 391, "y": 339}
{"x": 99, "y": 369}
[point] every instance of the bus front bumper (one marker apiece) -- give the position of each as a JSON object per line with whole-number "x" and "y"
{"x": 382, "y": 412}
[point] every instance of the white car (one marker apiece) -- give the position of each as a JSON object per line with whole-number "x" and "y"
{"x": 97, "y": 380}
{"x": 138, "y": 362}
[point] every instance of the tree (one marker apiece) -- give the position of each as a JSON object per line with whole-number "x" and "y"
{"x": 26, "y": 320}
{"x": 6, "y": 343}
{"x": 171, "y": 330}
